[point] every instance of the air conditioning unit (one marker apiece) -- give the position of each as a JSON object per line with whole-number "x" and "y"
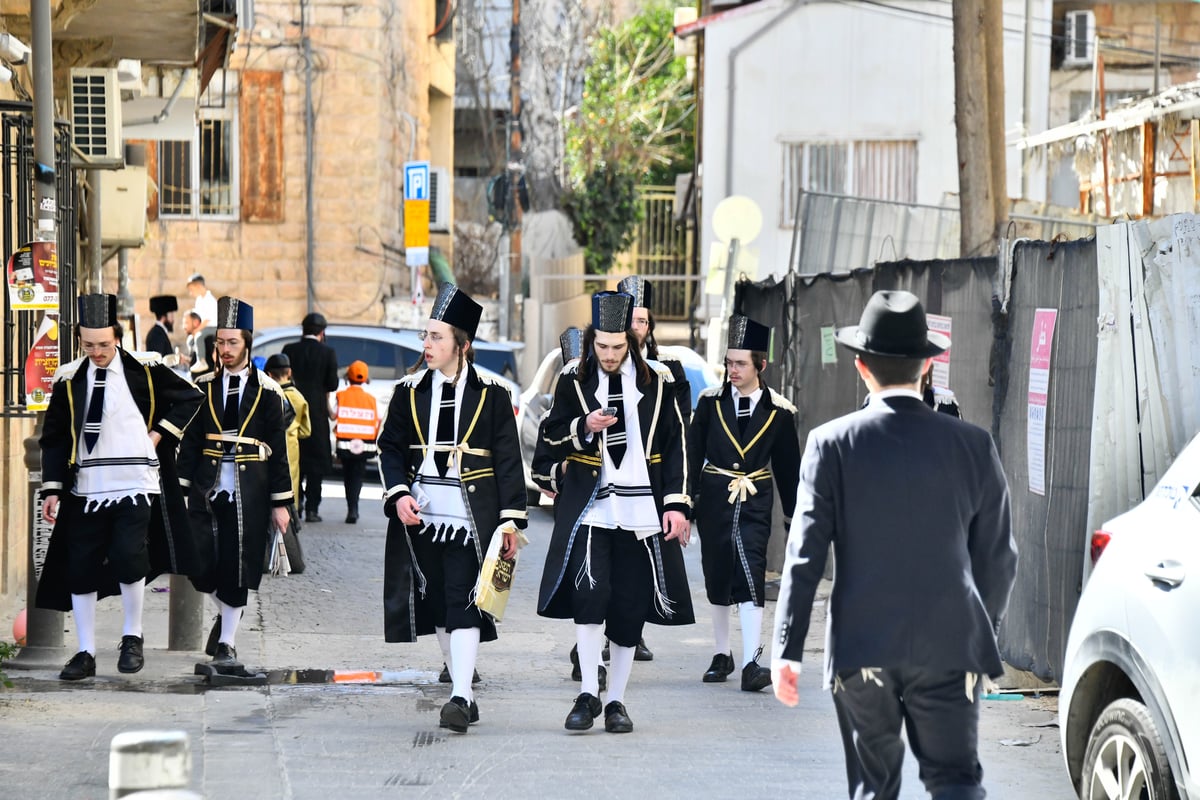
{"x": 96, "y": 119}
{"x": 1081, "y": 31}
{"x": 440, "y": 190}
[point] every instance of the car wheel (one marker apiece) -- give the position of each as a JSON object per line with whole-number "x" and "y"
{"x": 1125, "y": 757}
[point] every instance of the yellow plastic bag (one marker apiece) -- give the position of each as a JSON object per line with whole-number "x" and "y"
{"x": 496, "y": 576}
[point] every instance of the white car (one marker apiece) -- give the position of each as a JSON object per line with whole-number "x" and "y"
{"x": 1129, "y": 710}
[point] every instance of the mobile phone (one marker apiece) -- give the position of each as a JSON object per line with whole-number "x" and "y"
{"x": 608, "y": 411}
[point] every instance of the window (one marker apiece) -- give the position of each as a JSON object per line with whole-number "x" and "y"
{"x": 198, "y": 179}
{"x": 874, "y": 170}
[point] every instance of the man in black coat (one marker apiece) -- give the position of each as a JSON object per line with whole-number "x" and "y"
{"x": 158, "y": 338}
{"x": 233, "y": 463}
{"x": 109, "y": 484}
{"x": 916, "y": 506}
{"x": 315, "y": 373}
{"x": 614, "y": 443}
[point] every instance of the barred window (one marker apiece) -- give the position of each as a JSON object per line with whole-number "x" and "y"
{"x": 874, "y": 170}
{"x": 198, "y": 179}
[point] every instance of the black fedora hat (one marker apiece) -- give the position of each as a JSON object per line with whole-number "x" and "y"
{"x": 893, "y": 325}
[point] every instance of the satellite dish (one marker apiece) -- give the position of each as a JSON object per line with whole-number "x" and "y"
{"x": 737, "y": 217}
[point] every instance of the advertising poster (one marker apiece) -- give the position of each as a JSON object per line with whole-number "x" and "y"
{"x": 1039, "y": 396}
{"x": 41, "y": 364}
{"x": 941, "y": 363}
{"x": 33, "y": 277}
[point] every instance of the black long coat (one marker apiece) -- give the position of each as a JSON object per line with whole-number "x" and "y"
{"x": 260, "y": 486}
{"x": 157, "y": 341}
{"x": 564, "y": 439}
{"x": 492, "y": 479}
{"x": 767, "y": 454}
{"x": 315, "y": 373}
{"x": 167, "y": 403}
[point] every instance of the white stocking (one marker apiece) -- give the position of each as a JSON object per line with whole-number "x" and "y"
{"x": 751, "y": 618}
{"x": 590, "y": 641}
{"x": 464, "y": 648}
{"x": 444, "y": 642}
{"x": 720, "y": 618}
{"x": 133, "y": 598}
{"x": 83, "y": 609}
{"x": 230, "y": 617}
{"x": 620, "y": 667}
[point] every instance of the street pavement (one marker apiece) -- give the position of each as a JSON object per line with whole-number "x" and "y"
{"x": 329, "y": 739}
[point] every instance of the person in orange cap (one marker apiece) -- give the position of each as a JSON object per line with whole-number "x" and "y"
{"x": 356, "y": 429}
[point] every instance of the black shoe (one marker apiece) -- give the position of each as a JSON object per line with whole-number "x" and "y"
{"x": 720, "y": 668}
{"x": 225, "y": 655}
{"x": 83, "y": 665}
{"x": 351, "y": 519}
{"x": 312, "y": 516}
{"x": 755, "y": 677}
{"x": 577, "y": 676}
{"x": 444, "y": 675}
{"x": 587, "y": 707}
{"x": 214, "y": 636}
{"x": 456, "y": 715}
{"x": 604, "y": 652}
{"x": 615, "y": 718}
{"x": 474, "y": 713}
{"x": 641, "y": 652}
{"x": 131, "y": 659}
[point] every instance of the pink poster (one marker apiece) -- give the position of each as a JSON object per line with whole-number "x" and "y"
{"x": 33, "y": 277}
{"x": 1040, "y": 349}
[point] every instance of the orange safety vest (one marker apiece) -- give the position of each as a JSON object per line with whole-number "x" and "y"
{"x": 357, "y": 424}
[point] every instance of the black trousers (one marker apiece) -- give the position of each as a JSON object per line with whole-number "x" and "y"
{"x": 354, "y": 469}
{"x": 451, "y": 570}
{"x": 220, "y": 559}
{"x": 621, "y": 589}
{"x": 115, "y": 533}
{"x": 942, "y": 725}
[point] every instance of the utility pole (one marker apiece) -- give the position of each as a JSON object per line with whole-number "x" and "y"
{"x": 979, "y": 118}
{"x": 516, "y": 169}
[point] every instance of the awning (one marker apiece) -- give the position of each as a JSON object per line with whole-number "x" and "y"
{"x": 693, "y": 28}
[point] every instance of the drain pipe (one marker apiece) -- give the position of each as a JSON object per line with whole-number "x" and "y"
{"x": 731, "y": 91}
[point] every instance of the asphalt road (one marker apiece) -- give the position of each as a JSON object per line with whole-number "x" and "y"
{"x": 382, "y": 740}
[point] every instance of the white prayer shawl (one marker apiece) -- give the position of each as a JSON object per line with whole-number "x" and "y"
{"x": 624, "y": 499}
{"x": 444, "y": 515}
{"x": 228, "y": 482}
{"x": 123, "y": 464}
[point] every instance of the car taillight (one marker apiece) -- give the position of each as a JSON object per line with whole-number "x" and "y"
{"x": 1100, "y": 541}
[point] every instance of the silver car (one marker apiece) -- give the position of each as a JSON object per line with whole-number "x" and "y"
{"x": 1129, "y": 711}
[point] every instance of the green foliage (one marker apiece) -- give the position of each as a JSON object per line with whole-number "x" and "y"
{"x": 634, "y": 125}
{"x": 7, "y": 651}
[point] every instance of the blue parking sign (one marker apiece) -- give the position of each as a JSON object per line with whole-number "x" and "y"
{"x": 416, "y": 180}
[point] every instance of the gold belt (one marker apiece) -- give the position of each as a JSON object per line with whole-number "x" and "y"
{"x": 264, "y": 449}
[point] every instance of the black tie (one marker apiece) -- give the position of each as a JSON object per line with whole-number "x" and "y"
{"x": 616, "y": 433}
{"x": 445, "y": 428}
{"x": 229, "y": 423}
{"x": 91, "y": 426}
{"x": 743, "y": 413}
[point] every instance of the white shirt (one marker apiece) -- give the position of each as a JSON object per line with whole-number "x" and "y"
{"x": 228, "y": 480}
{"x": 444, "y": 512}
{"x": 206, "y": 307}
{"x": 123, "y": 464}
{"x": 879, "y": 397}
{"x": 754, "y": 396}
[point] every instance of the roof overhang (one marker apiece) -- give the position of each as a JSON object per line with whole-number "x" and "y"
{"x": 693, "y": 28}
{"x": 1182, "y": 100}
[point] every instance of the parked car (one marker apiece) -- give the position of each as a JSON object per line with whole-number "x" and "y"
{"x": 388, "y": 354}
{"x": 1129, "y": 710}
{"x": 536, "y": 399}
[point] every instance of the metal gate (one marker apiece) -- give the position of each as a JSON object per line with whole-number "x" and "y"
{"x": 661, "y": 250}
{"x": 19, "y": 222}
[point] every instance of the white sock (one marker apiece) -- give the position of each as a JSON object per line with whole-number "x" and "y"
{"x": 720, "y": 619}
{"x": 464, "y": 648}
{"x": 83, "y": 609}
{"x": 230, "y": 617}
{"x": 620, "y": 667}
{"x": 443, "y": 638}
{"x": 751, "y": 618}
{"x": 133, "y": 598}
{"x": 590, "y": 641}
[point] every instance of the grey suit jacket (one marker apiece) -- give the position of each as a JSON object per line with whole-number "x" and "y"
{"x": 916, "y": 506}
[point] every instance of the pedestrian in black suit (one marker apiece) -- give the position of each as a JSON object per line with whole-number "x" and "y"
{"x": 916, "y": 506}
{"x": 158, "y": 338}
{"x": 315, "y": 373}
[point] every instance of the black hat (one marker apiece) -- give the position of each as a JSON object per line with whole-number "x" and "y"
{"x": 163, "y": 304}
{"x": 97, "y": 310}
{"x": 571, "y": 344}
{"x": 639, "y": 289}
{"x": 612, "y": 312}
{"x": 278, "y": 362}
{"x": 455, "y": 307}
{"x": 746, "y": 334}
{"x": 893, "y": 325}
{"x": 235, "y": 314}
{"x": 313, "y": 322}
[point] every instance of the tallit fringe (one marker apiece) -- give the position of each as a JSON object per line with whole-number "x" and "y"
{"x": 586, "y": 570}
{"x": 94, "y": 504}
{"x": 663, "y": 603}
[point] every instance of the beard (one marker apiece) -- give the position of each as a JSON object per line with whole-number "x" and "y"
{"x": 170, "y": 326}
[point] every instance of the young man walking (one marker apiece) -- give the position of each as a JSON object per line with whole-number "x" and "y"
{"x": 356, "y": 429}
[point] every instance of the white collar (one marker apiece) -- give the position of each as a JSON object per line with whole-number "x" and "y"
{"x": 757, "y": 393}
{"x": 311, "y": 336}
{"x": 886, "y": 393}
{"x": 115, "y": 365}
{"x": 239, "y": 373}
{"x": 439, "y": 378}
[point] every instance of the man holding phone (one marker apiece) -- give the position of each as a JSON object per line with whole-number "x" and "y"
{"x": 615, "y": 439}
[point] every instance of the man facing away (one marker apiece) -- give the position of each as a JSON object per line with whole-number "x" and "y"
{"x": 109, "y": 485}
{"x": 314, "y": 369}
{"x": 916, "y": 506}
{"x": 279, "y": 367}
